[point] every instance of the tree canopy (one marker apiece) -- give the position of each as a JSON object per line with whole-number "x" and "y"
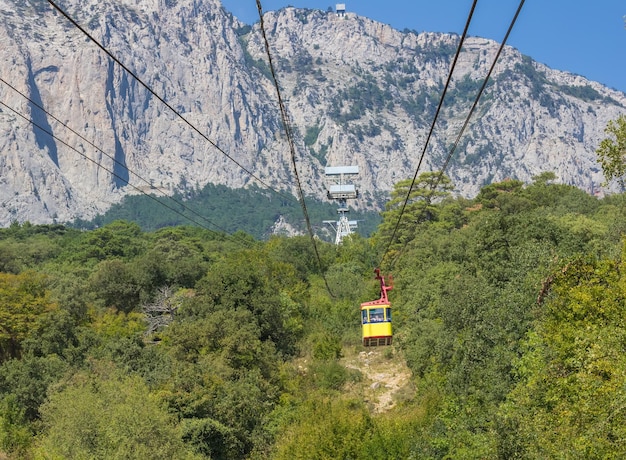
{"x": 612, "y": 151}
{"x": 182, "y": 343}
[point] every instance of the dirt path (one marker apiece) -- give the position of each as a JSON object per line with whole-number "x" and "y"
{"x": 386, "y": 377}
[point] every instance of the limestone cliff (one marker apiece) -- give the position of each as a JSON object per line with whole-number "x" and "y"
{"x": 356, "y": 91}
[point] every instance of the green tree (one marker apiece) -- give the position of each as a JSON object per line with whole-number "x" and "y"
{"x": 15, "y": 433}
{"x": 113, "y": 284}
{"x": 108, "y": 415}
{"x": 570, "y": 400}
{"x": 411, "y": 205}
{"x": 173, "y": 260}
{"x": 503, "y": 195}
{"x": 55, "y": 333}
{"x": 326, "y": 429}
{"x": 26, "y": 382}
{"x": 119, "y": 239}
{"x": 612, "y": 151}
{"x": 248, "y": 280}
{"x": 23, "y": 298}
{"x": 464, "y": 302}
{"x": 223, "y": 380}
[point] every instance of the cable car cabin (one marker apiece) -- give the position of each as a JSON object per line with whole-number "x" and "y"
{"x": 376, "y": 317}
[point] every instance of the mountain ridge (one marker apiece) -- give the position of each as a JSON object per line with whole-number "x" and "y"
{"x": 357, "y": 92}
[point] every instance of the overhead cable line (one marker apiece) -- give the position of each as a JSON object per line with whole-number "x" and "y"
{"x": 473, "y": 108}
{"x": 432, "y": 127}
{"x": 292, "y": 147}
{"x": 480, "y": 92}
{"x": 123, "y": 179}
{"x": 35, "y": 104}
{"x": 163, "y": 101}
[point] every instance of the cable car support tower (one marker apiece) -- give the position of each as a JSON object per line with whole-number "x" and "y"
{"x": 342, "y": 191}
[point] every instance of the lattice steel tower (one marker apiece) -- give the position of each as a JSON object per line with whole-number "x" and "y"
{"x": 340, "y": 190}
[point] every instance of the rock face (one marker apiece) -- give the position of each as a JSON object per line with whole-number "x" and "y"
{"x": 356, "y": 92}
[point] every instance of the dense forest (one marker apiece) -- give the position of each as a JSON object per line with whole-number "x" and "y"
{"x": 217, "y": 207}
{"x": 179, "y": 342}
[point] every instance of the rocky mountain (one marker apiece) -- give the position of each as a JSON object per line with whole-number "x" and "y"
{"x": 356, "y": 92}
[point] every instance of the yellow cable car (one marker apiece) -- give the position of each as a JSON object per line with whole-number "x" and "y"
{"x": 376, "y": 317}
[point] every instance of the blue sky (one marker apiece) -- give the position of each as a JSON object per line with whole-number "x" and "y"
{"x": 585, "y": 37}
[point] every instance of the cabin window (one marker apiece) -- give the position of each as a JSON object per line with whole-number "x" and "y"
{"x": 377, "y": 315}
{"x": 364, "y": 316}
{"x": 388, "y": 313}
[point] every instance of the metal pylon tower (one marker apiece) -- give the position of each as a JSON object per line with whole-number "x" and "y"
{"x": 341, "y": 191}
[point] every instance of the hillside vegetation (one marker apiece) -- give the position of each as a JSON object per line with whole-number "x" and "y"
{"x": 184, "y": 343}
{"x": 254, "y": 211}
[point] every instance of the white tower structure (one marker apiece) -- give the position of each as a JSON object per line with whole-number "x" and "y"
{"x": 342, "y": 191}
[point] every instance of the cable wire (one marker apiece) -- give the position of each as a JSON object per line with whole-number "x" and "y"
{"x": 471, "y": 112}
{"x": 226, "y": 235}
{"x": 432, "y": 128}
{"x": 292, "y": 148}
{"x": 480, "y": 92}
{"x": 164, "y": 194}
{"x": 163, "y": 101}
